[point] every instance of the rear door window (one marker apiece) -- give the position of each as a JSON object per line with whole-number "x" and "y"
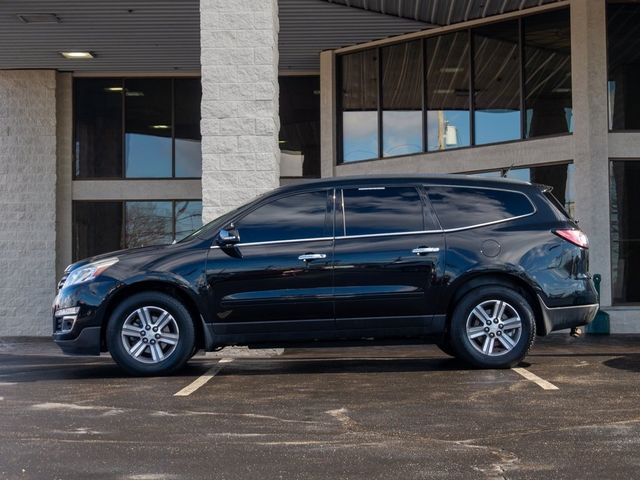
{"x": 461, "y": 207}
{"x": 381, "y": 210}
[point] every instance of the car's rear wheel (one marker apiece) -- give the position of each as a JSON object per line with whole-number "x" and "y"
{"x": 492, "y": 327}
{"x": 150, "y": 333}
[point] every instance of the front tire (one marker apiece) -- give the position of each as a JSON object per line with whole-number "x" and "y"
{"x": 150, "y": 333}
{"x": 492, "y": 327}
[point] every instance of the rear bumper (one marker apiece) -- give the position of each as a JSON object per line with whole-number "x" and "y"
{"x": 559, "y": 318}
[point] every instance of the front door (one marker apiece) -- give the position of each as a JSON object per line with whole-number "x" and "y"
{"x": 388, "y": 262}
{"x": 277, "y": 282}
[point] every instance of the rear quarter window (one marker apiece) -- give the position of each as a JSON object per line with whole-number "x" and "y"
{"x": 462, "y": 207}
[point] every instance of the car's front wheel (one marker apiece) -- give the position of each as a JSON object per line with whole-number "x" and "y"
{"x": 150, "y": 333}
{"x": 493, "y": 327}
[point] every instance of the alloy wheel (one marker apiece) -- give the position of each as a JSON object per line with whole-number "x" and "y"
{"x": 150, "y": 334}
{"x": 494, "y": 327}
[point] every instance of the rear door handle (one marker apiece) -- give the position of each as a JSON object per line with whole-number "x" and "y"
{"x": 423, "y": 250}
{"x": 312, "y": 256}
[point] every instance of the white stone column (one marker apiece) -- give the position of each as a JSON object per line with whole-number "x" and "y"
{"x": 590, "y": 136}
{"x": 27, "y": 201}
{"x": 239, "y": 58}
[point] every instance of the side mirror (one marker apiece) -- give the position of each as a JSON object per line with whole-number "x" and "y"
{"x": 228, "y": 236}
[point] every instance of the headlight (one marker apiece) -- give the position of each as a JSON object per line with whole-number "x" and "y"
{"x": 90, "y": 271}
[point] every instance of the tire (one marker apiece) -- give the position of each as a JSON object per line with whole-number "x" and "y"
{"x": 138, "y": 342}
{"x": 484, "y": 342}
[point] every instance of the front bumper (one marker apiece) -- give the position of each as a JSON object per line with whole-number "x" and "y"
{"x": 559, "y": 318}
{"x": 78, "y": 314}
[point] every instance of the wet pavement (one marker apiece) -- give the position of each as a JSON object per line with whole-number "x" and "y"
{"x": 401, "y": 412}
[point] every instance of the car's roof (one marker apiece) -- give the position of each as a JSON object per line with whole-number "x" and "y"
{"x": 435, "y": 179}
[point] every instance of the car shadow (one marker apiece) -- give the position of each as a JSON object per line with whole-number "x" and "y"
{"x": 627, "y": 362}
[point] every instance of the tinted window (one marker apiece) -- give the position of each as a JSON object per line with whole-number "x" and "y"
{"x": 382, "y": 210}
{"x": 188, "y": 154}
{"x": 288, "y": 218}
{"x": 98, "y": 127}
{"x": 97, "y": 228}
{"x": 458, "y": 207}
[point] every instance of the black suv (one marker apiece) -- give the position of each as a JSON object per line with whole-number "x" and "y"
{"x": 479, "y": 266}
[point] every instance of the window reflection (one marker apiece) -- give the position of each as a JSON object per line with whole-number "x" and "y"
{"x": 401, "y": 99}
{"x": 148, "y": 128}
{"x": 496, "y": 83}
{"x": 188, "y": 215}
{"x": 623, "y": 41}
{"x": 547, "y": 73}
{"x": 148, "y": 223}
{"x": 448, "y": 123}
{"x": 359, "y": 101}
{"x": 188, "y": 155}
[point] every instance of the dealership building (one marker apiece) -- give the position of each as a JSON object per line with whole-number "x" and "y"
{"x": 130, "y": 122}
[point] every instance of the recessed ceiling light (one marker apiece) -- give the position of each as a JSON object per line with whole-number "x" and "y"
{"x": 38, "y": 18}
{"x": 451, "y": 69}
{"x": 160, "y": 127}
{"x": 114, "y": 89}
{"x": 134, "y": 93}
{"x": 77, "y": 55}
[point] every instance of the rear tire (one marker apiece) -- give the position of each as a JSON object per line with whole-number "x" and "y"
{"x": 492, "y": 327}
{"x": 150, "y": 333}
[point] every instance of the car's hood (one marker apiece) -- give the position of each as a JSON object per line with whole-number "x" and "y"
{"x": 130, "y": 255}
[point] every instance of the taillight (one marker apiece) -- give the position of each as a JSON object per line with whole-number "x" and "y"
{"x": 577, "y": 237}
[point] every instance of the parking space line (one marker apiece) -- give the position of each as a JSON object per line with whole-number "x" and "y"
{"x": 541, "y": 382}
{"x": 203, "y": 379}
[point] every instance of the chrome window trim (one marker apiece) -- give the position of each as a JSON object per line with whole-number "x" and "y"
{"x": 388, "y": 234}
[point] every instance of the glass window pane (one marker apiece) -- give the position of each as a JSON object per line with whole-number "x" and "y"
{"x": 148, "y": 223}
{"x": 300, "y": 126}
{"x": 448, "y": 117}
{"x": 496, "y": 83}
{"x": 97, "y": 228}
{"x": 187, "y": 95}
{"x": 547, "y": 73}
{"x": 402, "y": 99}
{"x": 359, "y": 102}
{"x": 625, "y": 231}
{"x": 459, "y": 207}
{"x": 294, "y": 217}
{"x": 98, "y": 127}
{"x": 623, "y": 41}
{"x": 188, "y": 217}
{"x": 148, "y": 145}
{"x": 385, "y": 210}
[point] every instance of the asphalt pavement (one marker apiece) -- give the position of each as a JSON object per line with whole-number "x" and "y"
{"x": 395, "y": 412}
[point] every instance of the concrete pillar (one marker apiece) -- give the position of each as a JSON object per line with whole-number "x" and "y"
{"x": 590, "y": 136}
{"x": 328, "y": 114}
{"x": 64, "y": 145}
{"x": 27, "y": 200}
{"x": 239, "y": 58}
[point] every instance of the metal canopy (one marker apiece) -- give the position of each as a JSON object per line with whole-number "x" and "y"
{"x": 164, "y": 35}
{"x": 442, "y": 12}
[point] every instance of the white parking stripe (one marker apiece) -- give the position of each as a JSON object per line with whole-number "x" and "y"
{"x": 541, "y": 382}
{"x": 203, "y": 379}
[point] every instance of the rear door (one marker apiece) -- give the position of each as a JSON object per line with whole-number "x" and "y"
{"x": 388, "y": 261}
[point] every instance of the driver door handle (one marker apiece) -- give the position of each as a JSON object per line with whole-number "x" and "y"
{"x": 423, "y": 250}
{"x": 312, "y": 256}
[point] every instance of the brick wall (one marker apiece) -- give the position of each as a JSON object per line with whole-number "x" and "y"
{"x": 27, "y": 201}
{"x": 239, "y": 56}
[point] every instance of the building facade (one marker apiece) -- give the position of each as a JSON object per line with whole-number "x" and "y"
{"x": 167, "y": 114}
